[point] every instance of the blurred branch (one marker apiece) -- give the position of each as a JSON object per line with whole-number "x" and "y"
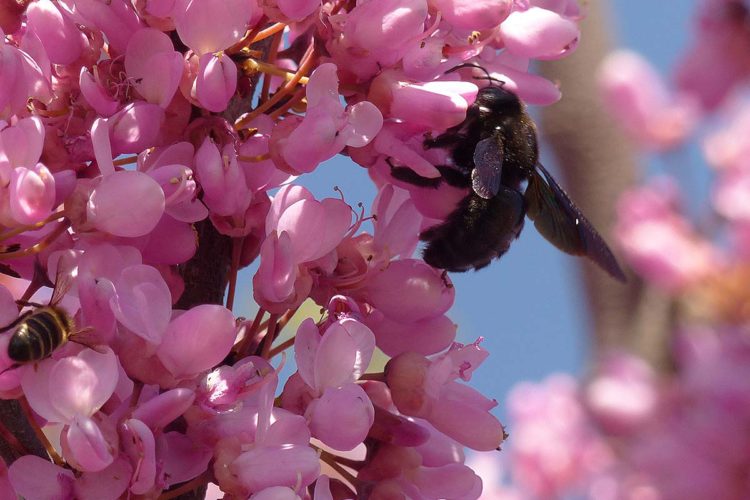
{"x": 597, "y": 164}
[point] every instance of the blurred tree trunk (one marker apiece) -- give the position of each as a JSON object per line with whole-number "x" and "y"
{"x": 597, "y": 164}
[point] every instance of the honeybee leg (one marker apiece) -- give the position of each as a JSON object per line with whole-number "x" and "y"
{"x": 26, "y": 303}
{"x": 15, "y": 322}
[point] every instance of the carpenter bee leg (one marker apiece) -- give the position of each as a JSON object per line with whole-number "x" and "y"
{"x": 454, "y": 177}
{"x": 447, "y": 139}
{"x": 408, "y": 175}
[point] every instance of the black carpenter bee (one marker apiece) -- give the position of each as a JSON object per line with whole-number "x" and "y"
{"x": 495, "y": 154}
{"x": 42, "y": 330}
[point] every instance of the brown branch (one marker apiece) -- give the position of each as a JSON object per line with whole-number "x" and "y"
{"x": 597, "y": 164}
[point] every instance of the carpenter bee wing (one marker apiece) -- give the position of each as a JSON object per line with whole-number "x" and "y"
{"x": 561, "y": 222}
{"x": 488, "y": 167}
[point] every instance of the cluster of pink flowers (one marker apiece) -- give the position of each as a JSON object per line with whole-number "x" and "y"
{"x": 629, "y": 433}
{"x": 125, "y": 123}
{"x": 630, "y": 430}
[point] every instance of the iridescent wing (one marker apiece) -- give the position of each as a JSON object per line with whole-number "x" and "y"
{"x": 561, "y": 222}
{"x": 488, "y": 167}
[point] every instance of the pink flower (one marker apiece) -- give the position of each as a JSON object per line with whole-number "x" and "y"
{"x": 641, "y": 103}
{"x": 431, "y": 105}
{"x": 474, "y": 15}
{"x": 216, "y": 81}
{"x": 20, "y": 78}
{"x": 153, "y": 65}
{"x": 327, "y": 127}
{"x": 539, "y": 33}
{"x": 339, "y": 412}
{"x": 212, "y": 25}
{"x": 658, "y": 242}
{"x": 223, "y": 183}
{"x": 126, "y": 203}
{"x": 426, "y": 389}
{"x": 62, "y": 39}
{"x": 70, "y": 391}
{"x": 299, "y": 230}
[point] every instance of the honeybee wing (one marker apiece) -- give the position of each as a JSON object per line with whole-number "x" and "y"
{"x": 488, "y": 167}
{"x": 63, "y": 281}
{"x": 8, "y": 271}
{"x": 561, "y": 222}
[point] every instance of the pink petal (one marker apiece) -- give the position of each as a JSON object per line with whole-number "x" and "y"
{"x": 138, "y": 444}
{"x": 86, "y": 447}
{"x": 287, "y": 429}
{"x": 306, "y": 344}
{"x": 287, "y": 196}
{"x": 197, "y": 340}
{"x": 32, "y": 193}
{"x": 277, "y": 493}
{"x": 474, "y": 14}
{"x": 365, "y": 121}
{"x": 294, "y": 466}
{"x": 34, "y": 477}
{"x": 344, "y": 353}
{"x": 398, "y": 222}
{"x": 276, "y": 275}
{"x": 95, "y": 95}
{"x": 171, "y": 242}
{"x": 8, "y": 307}
{"x": 182, "y": 458}
{"x": 136, "y": 127}
{"x": 315, "y": 228}
{"x": 426, "y": 336}
{"x": 143, "y": 302}
{"x": 468, "y": 424}
{"x": 410, "y": 290}
{"x": 61, "y": 38}
{"x": 154, "y": 65}
{"x": 22, "y": 143}
{"x": 164, "y": 408}
{"x": 212, "y": 25}
{"x": 126, "y": 203}
{"x": 341, "y": 417}
{"x": 323, "y": 488}
{"x": 448, "y": 481}
{"x": 107, "y": 484}
{"x": 539, "y": 33}
{"x": 102, "y": 145}
{"x": 80, "y": 385}
{"x": 216, "y": 81}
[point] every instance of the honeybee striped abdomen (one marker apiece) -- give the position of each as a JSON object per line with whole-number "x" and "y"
{"x": 39, "y": 333}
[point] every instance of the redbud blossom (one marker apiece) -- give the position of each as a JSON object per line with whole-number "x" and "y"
{"x": 216, "y": 81}
{"x": 640, "y": 101}
{"x": 472, "y": 14}
{"x": 153, "y": 65}
{"x": 425, "y": 389}
{"x": 212, "y": 25}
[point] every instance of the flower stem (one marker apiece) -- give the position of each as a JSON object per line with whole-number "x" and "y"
{"x": 235, "y": 266}
{"x": 56, "y": 458}
{"x": 333, "y": 461}
{"x": 37, "y": 247}
{"x": 265, "y": 33}
{"x": 306, "y": 64}
{"x": 32, "y": 227}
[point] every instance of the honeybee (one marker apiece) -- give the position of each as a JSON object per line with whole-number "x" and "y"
{"x": 496, "y": 156}
{"x": 42, "y": 330}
